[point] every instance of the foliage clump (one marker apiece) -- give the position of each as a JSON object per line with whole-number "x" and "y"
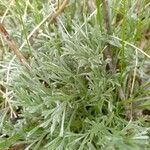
{"x": 68, "y": 98}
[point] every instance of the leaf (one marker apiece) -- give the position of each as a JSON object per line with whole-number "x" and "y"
{"x": 5, "y": 143}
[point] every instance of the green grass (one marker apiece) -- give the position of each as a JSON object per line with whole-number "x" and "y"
{"x": 66, "y": 98}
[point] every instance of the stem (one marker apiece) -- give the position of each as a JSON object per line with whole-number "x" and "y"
{"x": 108, "y": 49}
{"x": 98, "y": 15}
{"x": 107, "y": 15}
{"x": 123, "y": 38}
{"x": 11, "y": 44}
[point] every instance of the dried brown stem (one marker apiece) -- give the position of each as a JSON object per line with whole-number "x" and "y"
{"x": 11, "y": 43}
{"x": 58, "y": 11}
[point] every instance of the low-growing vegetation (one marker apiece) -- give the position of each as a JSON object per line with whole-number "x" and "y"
{"x": 75, "y": 75}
